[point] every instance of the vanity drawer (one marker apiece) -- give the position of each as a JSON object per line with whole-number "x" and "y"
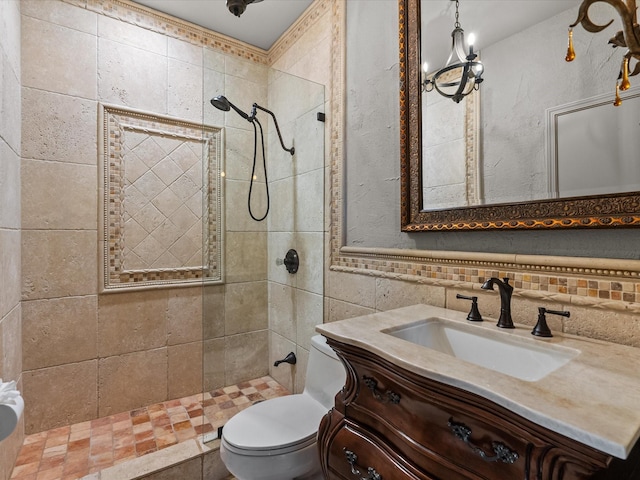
{"x": 356, "y": 454}
{"x": 418, "y": 422}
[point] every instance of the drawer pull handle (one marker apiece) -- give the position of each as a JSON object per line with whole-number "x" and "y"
{"x": 502, "y": 453}
{"x": 352, "y": 459}
{"x": 386, "y": 397}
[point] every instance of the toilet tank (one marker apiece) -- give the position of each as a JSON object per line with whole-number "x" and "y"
{"x": 325, "y": 374}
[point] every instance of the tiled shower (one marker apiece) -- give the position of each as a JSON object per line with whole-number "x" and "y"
{"x": 92, "y": 354}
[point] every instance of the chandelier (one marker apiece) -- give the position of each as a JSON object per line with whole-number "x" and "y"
{"x": 628, "y": 37}
{"x": 462, "y": 73}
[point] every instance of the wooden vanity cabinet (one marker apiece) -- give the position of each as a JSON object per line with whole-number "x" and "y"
{"x": 391, "y": 424}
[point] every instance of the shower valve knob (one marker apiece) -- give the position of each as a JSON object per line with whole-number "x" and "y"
{"x": 291, "y": 261}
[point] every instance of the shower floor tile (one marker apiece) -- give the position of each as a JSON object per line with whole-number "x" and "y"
{"x": 73, "y": 451}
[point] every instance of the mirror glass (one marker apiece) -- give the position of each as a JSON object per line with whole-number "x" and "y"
{"x": 507, "y": 143}
{"x": 503, "y": 158}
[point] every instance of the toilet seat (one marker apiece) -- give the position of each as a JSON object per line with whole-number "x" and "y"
{"x": 279, "y": 426}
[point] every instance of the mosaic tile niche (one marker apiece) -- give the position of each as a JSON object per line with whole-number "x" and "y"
{"x": 161, "y": 201}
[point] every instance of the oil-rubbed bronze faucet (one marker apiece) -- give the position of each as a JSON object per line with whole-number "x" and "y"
{"x": 506, "y": 290}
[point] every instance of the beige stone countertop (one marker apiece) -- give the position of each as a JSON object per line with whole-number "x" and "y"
{"x": 594, "y": 398}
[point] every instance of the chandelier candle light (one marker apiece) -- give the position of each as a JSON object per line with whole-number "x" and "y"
{"x": 462, "y": 74}
{"x": 628, "y": 37}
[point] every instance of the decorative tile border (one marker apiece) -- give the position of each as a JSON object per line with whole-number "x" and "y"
{"x": 160, "y": 157}
{"x": 159, "y": 22}
{"x": 155, "y": 21}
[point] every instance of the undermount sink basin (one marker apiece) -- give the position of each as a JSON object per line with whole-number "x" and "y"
{"x": 526, "y": 359}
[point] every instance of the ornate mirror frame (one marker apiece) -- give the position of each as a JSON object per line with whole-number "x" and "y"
{"x": 615, "y": 210}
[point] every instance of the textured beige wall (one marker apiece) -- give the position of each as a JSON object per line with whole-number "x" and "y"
{"x": 92, "y": 355}
{"x": 10, "y": 137}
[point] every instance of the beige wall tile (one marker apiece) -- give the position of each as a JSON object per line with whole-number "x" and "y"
{"x": 60, "y": 59}
{"x": 184, "y": 93}
{"x": 392, "y": 294}
{"x": 310, "y": 276}
{"x": 184, "y": 315}
{"x": 237, "y": 218}
{"x": 279, "y": 245}
{"x": 70, "y": 392}
{"x": 214, "y": 60}
{"x": 239, "y": 158}
{"x": 319, "y": 33}
{"x": 132, "y": 35}
{"x": 301, "y": 369}
{"x": 525, "y": 311}
{"x": 9, "y": 270}
{"x": 131, "y": 381}
{"x": 214, "y": 364}
{"x": 58, "y": 196}
{"x": 10, "y": 33}
{"x": 248, "y": 71}
{"x": 213, "y": 86}
{"x": 185, "y": 51}
{"x": 282, "y": 313}
{"x": 185, "y": 370}
{"x": 339, "y": 310}
{"x": 245, "y": 256}
{"x": 60, "y": 13}
{"x": 605, "y": 325}
{"x": 126, "y": 73}
{"x": 279, "y": 348}
{"x": 309, "y": 314}
{"x": 59, "y": 331}
{"x": 245, "y": 307}
{"x": 486, "y": 302}
{"x": 246, "y": 356}
{"x": 213, "y": 314}
{"x": 11, "y": 349}
{"x": 357, "y": 289}
{"x": 285, "y": 373}
{"x": 10, "y": 186}
{"x": 58, "y": 263}
{"x": 131, "y": 321}
{"x": 10, "y": 129}
{"x": 283, "y": 215}
{"x": 58, "y": 127}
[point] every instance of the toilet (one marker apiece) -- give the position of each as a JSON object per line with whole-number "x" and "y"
{"x": 276, "y": 439}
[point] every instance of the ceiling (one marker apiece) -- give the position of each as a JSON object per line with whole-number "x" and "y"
{"x": 490, "y": 20}
{"x": 260, "y": 25}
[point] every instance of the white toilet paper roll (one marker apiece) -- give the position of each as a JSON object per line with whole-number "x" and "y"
{"x": 9, "y": 416}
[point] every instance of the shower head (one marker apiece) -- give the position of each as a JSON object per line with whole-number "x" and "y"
{"x": 237, "y": 7}
{"x": 221, "y": 103}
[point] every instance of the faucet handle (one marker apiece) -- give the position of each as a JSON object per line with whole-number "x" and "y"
{"x": 542, "y": 329}
{"x": 474, "y": 313}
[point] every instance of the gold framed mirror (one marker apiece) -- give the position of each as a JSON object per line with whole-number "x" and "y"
{"x": 589, "y": 211}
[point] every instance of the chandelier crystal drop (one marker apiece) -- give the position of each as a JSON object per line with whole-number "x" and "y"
{"x": 628, "y": 37}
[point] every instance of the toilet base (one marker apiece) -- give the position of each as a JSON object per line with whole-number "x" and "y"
{"x": 302, "y": 464}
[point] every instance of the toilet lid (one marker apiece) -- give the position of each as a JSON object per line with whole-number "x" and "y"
{"x": 275, "y": 424}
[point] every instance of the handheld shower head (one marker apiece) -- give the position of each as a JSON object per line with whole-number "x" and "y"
{"x": 221, "y": 103}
